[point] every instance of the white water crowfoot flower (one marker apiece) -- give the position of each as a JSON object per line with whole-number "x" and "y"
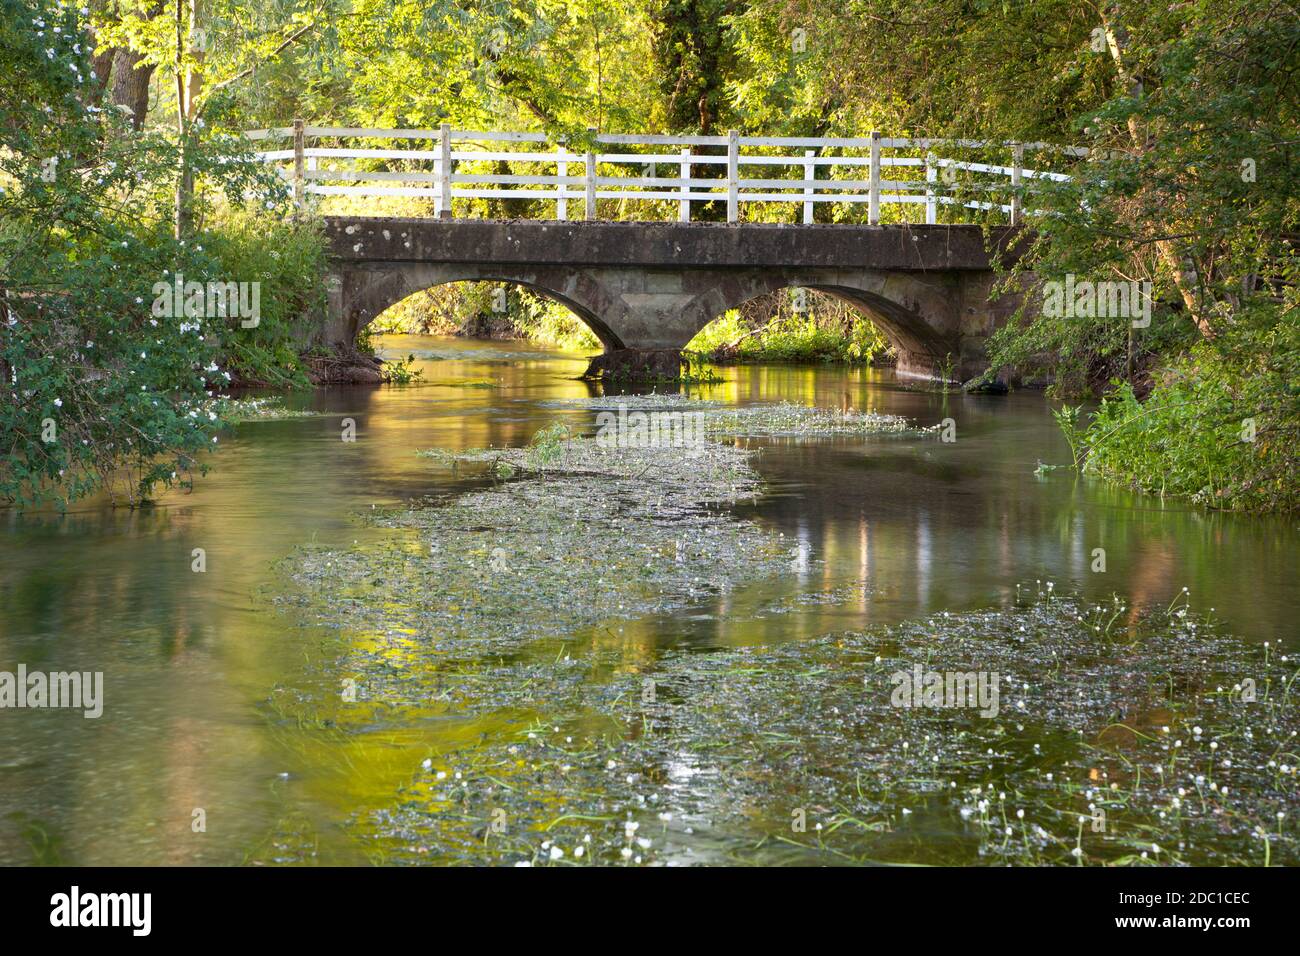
{"x": 981, "y": 773}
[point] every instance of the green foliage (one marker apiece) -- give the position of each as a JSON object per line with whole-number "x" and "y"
{"x": 561, "y": 66}
{"x": 478, "y": 309}
{"x": 768, "y": 330}
{"x": 440, "y": 310}
{"x": 547, "y": 445}
{"x": 726, "y": 328}
{"x": 1193, "y": 185}
{"x": 1073, "y": 356}
{"x": 287, "y": 258}
{"x": 402, "y": 372}
{"x": 989, "y": 70}
{"x": 697, "y": 370}
{"x": 694, "y": 60}
{"x": 1221, "y": 428}
{"x": 105, "y": 382}
{"x": 235, "y": 52}
{"x": 544, "y": 320}
{"x": 1067, "y": 419}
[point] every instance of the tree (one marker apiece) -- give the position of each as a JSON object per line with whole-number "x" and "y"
{"x": 180, "y": 35}
{"x": 107, "y": 373}
{"x": 695, "y": 62}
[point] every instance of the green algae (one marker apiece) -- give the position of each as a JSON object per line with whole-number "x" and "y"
{"x": 586, "y": 535}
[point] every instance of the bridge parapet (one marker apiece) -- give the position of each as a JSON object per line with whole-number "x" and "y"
{"x": 674, "y": 245}
{"x": 653, "y": 176}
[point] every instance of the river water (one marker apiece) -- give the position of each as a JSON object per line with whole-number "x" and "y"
{"x": 191, "y": 764}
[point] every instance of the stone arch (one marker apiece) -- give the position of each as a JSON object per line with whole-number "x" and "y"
{"x": 917, "y": 313}
{"x": 367, "y": 292}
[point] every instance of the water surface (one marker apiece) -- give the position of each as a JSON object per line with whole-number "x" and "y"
{"x": 202, "y": 669}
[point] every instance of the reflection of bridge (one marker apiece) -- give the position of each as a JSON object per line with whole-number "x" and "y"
{"x": 654, "y": 284}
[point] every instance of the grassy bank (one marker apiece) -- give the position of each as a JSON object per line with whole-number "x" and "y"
{"x": 1218, "y": 427}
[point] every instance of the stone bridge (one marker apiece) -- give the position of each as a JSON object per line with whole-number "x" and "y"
{"x": 653, "y": 285}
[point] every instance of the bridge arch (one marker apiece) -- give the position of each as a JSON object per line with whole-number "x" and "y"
{"x": 652, "y": 286}
{"x": 374, "y": 291}
{"x": 917, "y": 315}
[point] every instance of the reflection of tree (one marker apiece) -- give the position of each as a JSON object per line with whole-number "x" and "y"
{"x": 84, "y": 578}
{"x": 1151, "y": 578}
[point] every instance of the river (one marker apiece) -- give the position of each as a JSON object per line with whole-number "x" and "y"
{"x": 198, "y": 759}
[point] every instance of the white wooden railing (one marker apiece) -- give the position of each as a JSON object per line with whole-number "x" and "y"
{"x": 578, "y": 178}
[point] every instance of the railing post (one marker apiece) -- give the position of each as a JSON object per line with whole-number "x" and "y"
{"x": 437, "y": 186}
{"x": 298, "y": 190}
{"x": 1017, "y": 163}
{"x": 589, "y": 181}
{"x": 562, "y": 170}
{"x": 444, "y": 173}
{"x": 873, "y": 197}
{"x": 684, "y": 206}
{"x": 931, "y": 177}
{"x": 809, "y": 173}
{"x": 733, "y": 176}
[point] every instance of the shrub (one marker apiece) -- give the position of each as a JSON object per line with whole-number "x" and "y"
{"x": 98, "y": 386}
{"x": 1221, "y": 426}
{"x": 287, "y": 258}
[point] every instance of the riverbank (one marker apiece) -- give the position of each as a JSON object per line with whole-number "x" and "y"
{"x": 337, "y": 366}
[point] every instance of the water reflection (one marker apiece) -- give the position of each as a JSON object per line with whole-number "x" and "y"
{"x": 197, "y": 664}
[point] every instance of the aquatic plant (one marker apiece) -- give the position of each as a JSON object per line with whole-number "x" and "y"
{"x": 239, "y": 410}
{"x": 1126, "y": 745}
{"x": 1119, "y": 735}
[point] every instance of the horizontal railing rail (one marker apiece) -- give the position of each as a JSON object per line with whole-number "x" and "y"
{"x": 739, "y": 172}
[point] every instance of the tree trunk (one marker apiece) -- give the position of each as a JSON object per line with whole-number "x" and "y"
{"x": 1181, "y": 265}
{"x": 198, "y": 54}
{"x": 131, "y": 85}
{"x": 101, "y": 67}
{"x": 101, "y": 64}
